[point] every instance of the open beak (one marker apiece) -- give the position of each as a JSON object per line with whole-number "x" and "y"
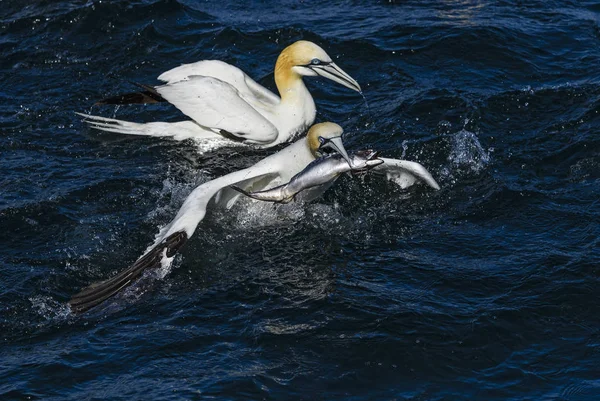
{"x": 335, "y": 73}
{"x": 337, "y": 145}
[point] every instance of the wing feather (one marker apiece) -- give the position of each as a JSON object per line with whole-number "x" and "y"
{"x": 216, "y": 104}
{"x": 170, "y": 239}
{"x": 406, "y": 173}
{"x": 235, "y": 77}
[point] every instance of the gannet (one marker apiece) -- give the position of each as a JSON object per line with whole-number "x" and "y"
{"x": 271, "y": 171}
{"x": 276, "y": 168}
{"x": 224, "y": 102}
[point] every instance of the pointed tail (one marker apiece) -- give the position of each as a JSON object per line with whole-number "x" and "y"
{"x": 178, "y": 130}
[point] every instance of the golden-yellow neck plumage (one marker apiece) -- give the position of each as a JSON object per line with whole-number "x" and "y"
{"x": 325, "y": 130}
{"x": 298, "y": 53}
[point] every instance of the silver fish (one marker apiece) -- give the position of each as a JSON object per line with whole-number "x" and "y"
{"x": 322, "y": 171}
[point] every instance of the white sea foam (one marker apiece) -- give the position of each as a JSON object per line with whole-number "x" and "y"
{"x": 468, "y": 152}
{"x": 49, "y": 308}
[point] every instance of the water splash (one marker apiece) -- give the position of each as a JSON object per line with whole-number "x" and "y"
{"x": 366, "y": 103}
{"x": 49, "y": 308}
{"x": 116, "y": 110}
{"x": 250, "y": 213}
{"x": 404, "y": 148}
{"x": 467, "y": 152}
{"x": 205, "y": 145}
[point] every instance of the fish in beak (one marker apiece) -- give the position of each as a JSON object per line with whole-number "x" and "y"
{"x": 321, "y": 171}
{"x": 336, "y": 144}
{"x": 332, "y": 71}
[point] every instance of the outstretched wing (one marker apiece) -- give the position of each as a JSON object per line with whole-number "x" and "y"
{"x": 99, "y": 292}
{"x": 405, "y": 173}
{"x": 217, "y": 105}
{"x": 170, "y": 239}
{"x": 246, "y": 86}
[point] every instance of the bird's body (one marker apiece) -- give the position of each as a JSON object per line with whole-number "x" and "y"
{"x": 226, "y": 105}
{"x": 271, "y": 171}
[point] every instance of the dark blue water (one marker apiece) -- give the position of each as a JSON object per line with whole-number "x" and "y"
{"x": 484, "y": 290}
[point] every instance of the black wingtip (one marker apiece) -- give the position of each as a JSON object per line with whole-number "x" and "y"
{"x": 97, "y": 293}
{"x": 232, "y": 137}
{"x": 144, "y": 97}
{"x": 147, "y": 96}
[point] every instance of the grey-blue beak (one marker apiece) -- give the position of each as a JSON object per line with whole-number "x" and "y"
{"x": 336, "y": 144}
{"x": 336, "y": 74}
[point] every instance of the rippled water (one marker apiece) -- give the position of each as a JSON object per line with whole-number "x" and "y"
{"x": 483, "y": 290}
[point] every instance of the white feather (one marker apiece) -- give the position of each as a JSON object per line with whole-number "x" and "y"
{"x": 213, "y": 103}
{"x": 405, "y": 173}
{"x": 219, "y": 97}
{"x": 222, "y": 71}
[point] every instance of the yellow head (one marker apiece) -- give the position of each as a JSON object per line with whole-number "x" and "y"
{"x": 305, "y": 58}
{"x": 301, "y": 53}
{"x": 326, "y": 135}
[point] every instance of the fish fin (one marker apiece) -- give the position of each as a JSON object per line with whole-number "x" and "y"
{"x": 101, "y": 291}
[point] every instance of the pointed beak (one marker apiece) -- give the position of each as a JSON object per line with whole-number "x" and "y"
{"x": 335, "y": 73}
{"x": 337, "y": 145}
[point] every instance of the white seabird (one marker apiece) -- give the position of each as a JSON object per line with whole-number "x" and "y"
{"x": 224, "y": 102}
{"x": 273, "y": 170}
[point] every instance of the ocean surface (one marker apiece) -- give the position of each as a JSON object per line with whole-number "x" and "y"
{"x": 484, "y": 290}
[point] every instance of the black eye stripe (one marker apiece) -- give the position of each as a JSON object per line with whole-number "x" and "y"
{"x": 320, "y": 63}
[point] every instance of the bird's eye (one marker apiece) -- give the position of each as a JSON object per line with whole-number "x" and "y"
{"x": 315, "y": 61}
{"x": 321, "y": 140}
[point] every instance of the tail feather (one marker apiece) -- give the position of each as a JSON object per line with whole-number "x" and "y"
{"x": 119, "y": 126}
{"x": 178, "y": 130}
{"x": 99, "y": 292}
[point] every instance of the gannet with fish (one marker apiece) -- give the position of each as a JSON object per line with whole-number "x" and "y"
{"x": 226, "y": 104}
{"x": 277, "y": 168}
{"x": 273, "y": 170}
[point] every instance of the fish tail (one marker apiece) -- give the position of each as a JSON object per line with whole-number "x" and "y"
{"x": 269, "y": 195}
